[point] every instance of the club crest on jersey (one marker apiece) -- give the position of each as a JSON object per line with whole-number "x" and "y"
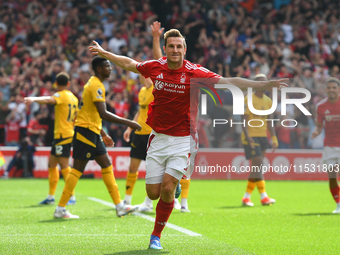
{"x": 183, "y": 77}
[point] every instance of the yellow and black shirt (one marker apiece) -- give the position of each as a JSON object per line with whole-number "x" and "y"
{"x": 65, "y": 111}
{"x": 264, "y": 103}
{"x": 88, "y": 115}
{"x": 145, "y": 97}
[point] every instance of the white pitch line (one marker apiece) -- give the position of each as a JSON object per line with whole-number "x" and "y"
{"x": 149, "y": 218}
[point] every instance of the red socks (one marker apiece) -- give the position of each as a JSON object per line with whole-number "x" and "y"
{"x": 163, "y": 211}
{"x": 335, "y": 194}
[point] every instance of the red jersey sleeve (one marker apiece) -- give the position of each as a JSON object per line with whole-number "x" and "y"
{"x": 319, "y": 115}
{"x": 205, "y": 77}
{"x": 145, "y": 68}
{"x": 202, "y": 72}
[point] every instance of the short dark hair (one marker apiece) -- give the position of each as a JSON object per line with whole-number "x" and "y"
{"x": 62, "y": 79}
{"x": 97, "y": 62}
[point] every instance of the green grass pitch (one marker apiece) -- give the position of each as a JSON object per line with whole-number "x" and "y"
{"x": 301, "y": 222}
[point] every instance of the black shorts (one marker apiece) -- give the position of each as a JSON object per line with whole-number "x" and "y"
{"x": 87, "y": 144}
{"x": 261, "y": 144}
{"x": 62, "y": 147}
{"x": 138, "y": 146}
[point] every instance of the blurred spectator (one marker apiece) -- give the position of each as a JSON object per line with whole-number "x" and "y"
{"x": 22, "y": 160}
{"x": 12, "y": 129}
{"x": 3, "y": 114}
{"x": 35, "y": 131}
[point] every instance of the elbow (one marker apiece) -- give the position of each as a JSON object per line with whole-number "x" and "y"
{"x": 102, "y": 115}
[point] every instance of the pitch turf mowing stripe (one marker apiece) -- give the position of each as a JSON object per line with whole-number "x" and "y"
{"x": 149, "y": 218}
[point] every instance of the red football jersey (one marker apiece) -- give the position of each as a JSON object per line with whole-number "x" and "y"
{"x": 12, "y": 131}
{"x": 330, "y": 113}
{"x": 174, "y": 109}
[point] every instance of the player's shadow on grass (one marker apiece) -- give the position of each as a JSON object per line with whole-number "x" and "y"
{"x": 314, "y": 214}
{"x": 36, "y": 206}
{"x": 139, "y": 252}
{"x": 57, "y": 220}
{"x": 233, "y": 207}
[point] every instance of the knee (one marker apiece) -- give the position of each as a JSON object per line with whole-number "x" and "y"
{"x": 153, "y": 195}
{"x": 168, "y": 188}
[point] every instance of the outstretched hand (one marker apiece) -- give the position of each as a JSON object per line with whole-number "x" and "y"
{"x": 96, "y": 49}
{"x": 281, "y": 83}
{"x": 156, "y": 29}
{"x": 28, "y": 100}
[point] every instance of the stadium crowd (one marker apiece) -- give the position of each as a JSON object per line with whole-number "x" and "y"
{"x": 298, "y": 39}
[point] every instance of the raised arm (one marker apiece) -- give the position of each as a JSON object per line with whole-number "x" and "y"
{"x": 40, "y": 100}
{"x": 156, "y": 34}
{"x": 106, "y": 115}
{"x": 124, "y": 62}
{"x": 257, "y": 85}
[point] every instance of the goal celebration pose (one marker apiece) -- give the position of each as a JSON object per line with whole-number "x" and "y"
{"x": 172, "y": 117}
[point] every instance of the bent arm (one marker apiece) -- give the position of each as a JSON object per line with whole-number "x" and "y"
{"x": 106, "y": 115}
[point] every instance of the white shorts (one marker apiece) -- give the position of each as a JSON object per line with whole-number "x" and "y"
{"x": 166, "y": 154}
{"x": 331, "y": 156}
{"x": 193, "y": 151}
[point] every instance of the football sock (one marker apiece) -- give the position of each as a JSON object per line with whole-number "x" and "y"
{"x": 163, "y": 211}
{"x": 119, "y": 205}
{"x": 50, "y": 197}
{"x": 111, "y": 185}
{"x": 185, "y": 184}
{"x": 60, "y": 208}
{"x": 335, "y": 194}
{"x": 65, "y": 173}
{"x": 130, "y": 182}
{"x": 73, "y": 197}
{"x": 148, "y": 201}
{"x": 249, "y": 190}
{"x": 70, "y": 184}
{"x": 53, "y": 178}
{"x": 261, "y": 186}
{"x": 184, "y": 202}
{"x": 128, "y": 199}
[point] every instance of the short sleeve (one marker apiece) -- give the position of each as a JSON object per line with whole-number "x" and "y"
{"x": 98, "y": 92}
{"x": 205, "y": 77}
{"x": 319, "y": 115}
{"x": 145, "y": 67}
{"x": 57, "y": 97}
{"x": 202, "y": 72}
